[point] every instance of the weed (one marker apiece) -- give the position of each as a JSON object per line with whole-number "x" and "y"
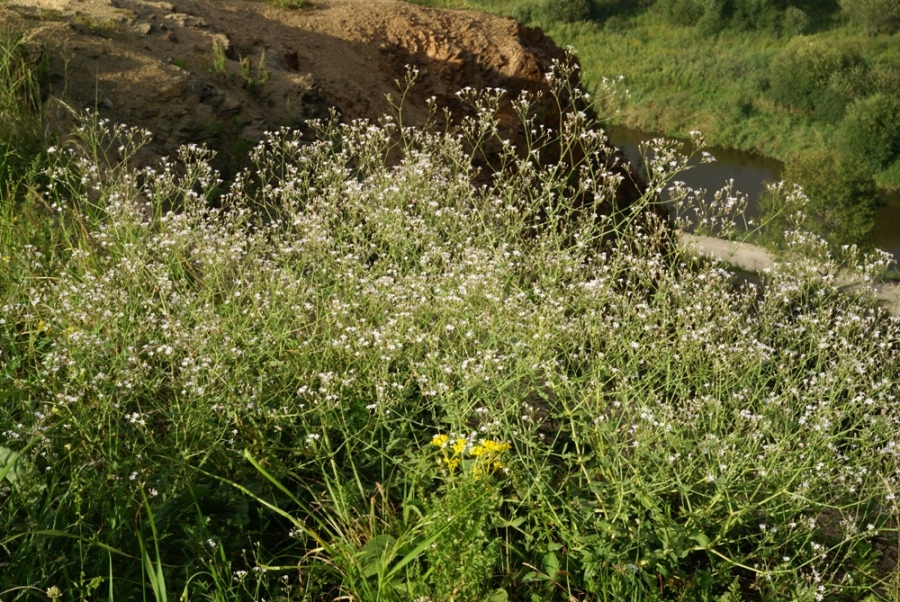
{"x": 219, "y": 60}
{"x": 261, "y": 387}
{"x": 22, "y": 134}
{"x": 95, "y": 26}
{"x": 254, "y": 77}
{"x": 290, "y": 4}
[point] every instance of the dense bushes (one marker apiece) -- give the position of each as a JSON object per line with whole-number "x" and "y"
{"x": 835, "y": 85}
{"x": 842, "y": 195}
{"x": 803, "y": 72}
{"x": 876, "y": 16}
{"x": 713, "y": 16}
{"x": 871, "y": 130}
{"x": 552, "y": 11}
{"x": 566, "y": 11}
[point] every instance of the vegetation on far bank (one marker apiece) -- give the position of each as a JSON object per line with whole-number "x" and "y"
{"x": 341, "y": 377}
{"x": 793, "y": 80}
{"x": 771, "y": 77}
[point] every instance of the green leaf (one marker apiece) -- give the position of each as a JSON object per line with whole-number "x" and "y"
{"x": 498, "y": 595}
{"x": 701, "y": 539}
{"x": 7, "y": 464}
{"x": 377, "y": 554}
{"x": 551, "y": 564}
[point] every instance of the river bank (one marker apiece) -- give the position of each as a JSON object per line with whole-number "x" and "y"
{"x": 755, "y": 259}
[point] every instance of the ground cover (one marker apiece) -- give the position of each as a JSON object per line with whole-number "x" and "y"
{"x": 364, "y": 370}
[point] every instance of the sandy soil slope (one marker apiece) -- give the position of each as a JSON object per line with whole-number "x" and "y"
{"x": 152, "y": 63}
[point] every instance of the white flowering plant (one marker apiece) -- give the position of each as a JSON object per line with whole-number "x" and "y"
{"x": 264, "y": 377}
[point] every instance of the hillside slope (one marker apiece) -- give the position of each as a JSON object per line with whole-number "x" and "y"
{"x": 223, "y": 72}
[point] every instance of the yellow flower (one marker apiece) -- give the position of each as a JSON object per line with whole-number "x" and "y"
{"x": 459, "y": 445}
{"x": 440, "y": 440}
{"x": 495, "y": 447}
{"x": 489, "y": 448}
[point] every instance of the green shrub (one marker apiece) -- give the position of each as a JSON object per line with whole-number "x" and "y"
{"x": 565, "y": 11}
{"x": 715, "y": 17}
{"x": 801, "y": 74}
{"x": 526, "y": 11}
{"x": 758, "y": 15}
{"x": 883, "y": 77}
{"x": 876, "y": 16}
{"x": 870, "y": 130}
{"x": 682, "y": 12}
{"x": 889, "y": 178}
{"x": 794, "y": 22}
{"x": 842, "y": 195}
{"x": 603, "y": 10}
{"x": 617, "y": 24}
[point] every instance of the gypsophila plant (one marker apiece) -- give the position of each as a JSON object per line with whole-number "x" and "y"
{"x": 249, "y": 398}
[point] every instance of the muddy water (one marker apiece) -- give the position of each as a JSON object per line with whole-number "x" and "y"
{"x": 750, "y": 173}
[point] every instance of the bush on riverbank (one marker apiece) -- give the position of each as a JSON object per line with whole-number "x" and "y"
{"x": 841, "y": 199}
{"x": 349, "y": 377}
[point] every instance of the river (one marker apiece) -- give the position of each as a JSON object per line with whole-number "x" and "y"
{"x": 750, "y": 174}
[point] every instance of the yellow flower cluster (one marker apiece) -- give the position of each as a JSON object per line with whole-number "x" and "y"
{"x": 480, "y": 457}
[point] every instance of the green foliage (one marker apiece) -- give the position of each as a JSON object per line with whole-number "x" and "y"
{"x": 682, "y": 12}
{"x": 464, "y": 558}
{"x": 564, "y": 11}
{"x": 289, "y": 4}
{"x": 714, "y": 16}
{"x": 842, "y": 196}
{"x": 21, "y": 121}
{"x": 889, "y": 178}
{"x": 802, "y": 72}
{"x": 760, "y": 15}
{"x": 253, "y": 76}
{"x": 795, "y": 22}
{"x": 870, "y": 131}
{"x": 248, "y": 400}
{"x": 219, "y": 60}
{"x": 875, "y": 16}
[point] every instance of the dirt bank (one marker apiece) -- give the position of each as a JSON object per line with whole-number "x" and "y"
{"x": 222, "y": 72}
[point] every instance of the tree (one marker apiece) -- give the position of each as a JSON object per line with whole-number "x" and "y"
{"x": 802, "y": 73}
{"x": 842, "y": 195}
{"x": 870, "y": 130}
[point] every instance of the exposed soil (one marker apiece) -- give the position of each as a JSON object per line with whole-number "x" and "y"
{"x": 152, "y": 63}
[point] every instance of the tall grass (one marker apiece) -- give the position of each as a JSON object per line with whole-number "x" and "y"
{"x": 355, "y": 379}
{"x": 21, "y": 123}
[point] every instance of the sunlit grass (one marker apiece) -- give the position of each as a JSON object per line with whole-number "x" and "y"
{"x": 401, "y": 381}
